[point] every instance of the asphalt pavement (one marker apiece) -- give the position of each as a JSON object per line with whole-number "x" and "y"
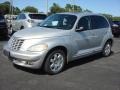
{"x": 91, "y": 73}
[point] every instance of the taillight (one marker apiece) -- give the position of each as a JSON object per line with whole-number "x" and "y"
{"x": 30, "y": 21}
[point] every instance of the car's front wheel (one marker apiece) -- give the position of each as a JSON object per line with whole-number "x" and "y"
{"x": 55, "y": 62}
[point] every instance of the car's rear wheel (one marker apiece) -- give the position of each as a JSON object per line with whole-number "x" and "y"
{"x": 55, "y": 62}
{"x": 107, "y": 49}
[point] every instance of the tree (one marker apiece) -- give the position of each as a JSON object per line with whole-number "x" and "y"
{"x": 110, "y": 17}
{"x": 5, "y": 8}
{"x": 71, "y": 8}
{"x": 116, "y": 18}
{"x": 56, "y": 8}
{"x": 30, "y": 9}
{"x": 77, "y": 8}
{"x": 16, "y": 11}
{"x": 113, "y": 18}
{"x": 87, "y": 10}
{"x": 68, "y": 8}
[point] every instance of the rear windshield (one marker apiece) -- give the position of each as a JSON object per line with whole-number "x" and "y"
{"x": 116, "y": 22}
{"x": 37, "y": 16}
{"x": 1, "y": 17}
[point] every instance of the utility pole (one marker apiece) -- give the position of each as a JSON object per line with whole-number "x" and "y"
{"x": 12, "y": 7}
{"x": 11, "y": 10}
{"x": 73, "y": 5}
{"x": 47, "y": 7}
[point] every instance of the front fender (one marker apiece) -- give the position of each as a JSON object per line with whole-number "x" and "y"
{"x": 60, "y": 41}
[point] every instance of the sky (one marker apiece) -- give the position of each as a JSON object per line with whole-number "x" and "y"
{"x": 97, "y": 6}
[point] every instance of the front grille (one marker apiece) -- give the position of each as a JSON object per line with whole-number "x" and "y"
{"x": 16, "y": 43}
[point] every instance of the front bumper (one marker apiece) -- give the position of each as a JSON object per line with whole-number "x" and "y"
{"x": 25, "y": 59}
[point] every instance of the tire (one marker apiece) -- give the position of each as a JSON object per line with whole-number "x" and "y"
{"x": 107, "y": 49}
{"x": 22, "y": 27}
{"x": 55, "y": 62}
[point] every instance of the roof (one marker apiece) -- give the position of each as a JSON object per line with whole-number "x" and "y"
{"x": 79, "y": 13}
{"x": 31, "y": 13}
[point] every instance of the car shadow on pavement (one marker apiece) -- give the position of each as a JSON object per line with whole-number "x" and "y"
{"x": 72, "y": 64}
{"x": 85, "y": 60}
{"x": 33, "y": 71}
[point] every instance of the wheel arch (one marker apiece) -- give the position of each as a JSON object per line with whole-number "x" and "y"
{"x": 110, "y": 40}
{"x": 55, "y": 48}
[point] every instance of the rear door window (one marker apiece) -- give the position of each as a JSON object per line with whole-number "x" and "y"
{"x": 98, "y": 22}
{"x": 37, "y": 16}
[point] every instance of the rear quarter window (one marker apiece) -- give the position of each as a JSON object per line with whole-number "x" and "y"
{"x": 98, "y": 22}
{"x": 21, "y": 16}
{"x": 38, "y": 16}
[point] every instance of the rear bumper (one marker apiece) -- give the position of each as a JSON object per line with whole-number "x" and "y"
{"x": 25, "y": 59}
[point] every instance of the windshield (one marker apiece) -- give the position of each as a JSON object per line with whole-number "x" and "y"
{"x": 59, "y": 21}
{"x": 37, "y": 16}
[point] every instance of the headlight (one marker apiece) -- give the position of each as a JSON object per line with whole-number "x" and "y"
{"x": 38, "y": 48}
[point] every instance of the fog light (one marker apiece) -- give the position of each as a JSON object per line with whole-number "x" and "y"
{"x": 24, "y": 62}
{"x": 29, "y": 62}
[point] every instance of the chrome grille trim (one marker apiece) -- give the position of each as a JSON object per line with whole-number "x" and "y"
{"x": 16, "y": 43}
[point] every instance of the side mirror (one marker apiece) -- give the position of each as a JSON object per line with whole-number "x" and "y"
{"x": 80, "y": 29}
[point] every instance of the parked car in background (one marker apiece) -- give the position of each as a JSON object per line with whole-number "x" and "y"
{"x": 59, "y": 39}
{"x": 3, "y": 27}
{"x": 116, "y": 28}
{"x": 27, "y": 20}
{"x": 9, "y": 18}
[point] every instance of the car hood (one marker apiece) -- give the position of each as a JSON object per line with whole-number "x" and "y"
{"x": 40, "y": 32}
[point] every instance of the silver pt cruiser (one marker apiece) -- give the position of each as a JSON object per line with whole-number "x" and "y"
{"x": 61, "y": 38}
